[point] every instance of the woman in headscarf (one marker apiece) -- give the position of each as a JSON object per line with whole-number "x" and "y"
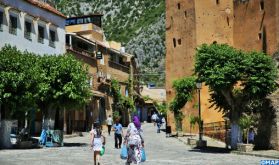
{"x": 134, "y": 141}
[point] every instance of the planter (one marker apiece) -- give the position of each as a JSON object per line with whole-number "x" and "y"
{"x": 191, "y": 141}
{"x": 201, "y": 143}
{"x": 245, "y": 147}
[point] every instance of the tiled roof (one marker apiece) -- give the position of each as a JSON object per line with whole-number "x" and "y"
{"x": 46, "y": 6}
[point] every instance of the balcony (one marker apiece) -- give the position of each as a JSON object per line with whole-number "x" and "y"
{"x": 81, "y": 52}
{"x": 51, "y": 43}
{"x": 12, "y": 30}
{"x": 118, "y": 66}
{"x": 27, "y": 35}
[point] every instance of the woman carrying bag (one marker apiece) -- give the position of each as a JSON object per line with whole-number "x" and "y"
{"x": 134, "y": 142}
{"x": 97, "y": 142}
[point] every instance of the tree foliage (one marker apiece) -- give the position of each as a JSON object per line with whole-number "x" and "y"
{"x": 29, "y": 81}
{"x": 184, "y": 89}
{"x": 19, "y": 79}
{"x": 65, "y": 82}
{"x": 235, "y": 78}
{"x": 120, "y": 102}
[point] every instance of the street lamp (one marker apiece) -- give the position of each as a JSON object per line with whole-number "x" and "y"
{"x": 199, "y": 86}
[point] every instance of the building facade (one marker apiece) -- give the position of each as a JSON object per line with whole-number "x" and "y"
{"x": 243, "y": 24}
{"x": 105, "y": 61}
{"x": 32, "y": 25}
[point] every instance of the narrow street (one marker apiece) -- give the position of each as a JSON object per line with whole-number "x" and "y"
{"x": 159, "y": 150}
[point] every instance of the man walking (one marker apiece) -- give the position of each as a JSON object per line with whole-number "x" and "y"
{"x": 109, "y": 124}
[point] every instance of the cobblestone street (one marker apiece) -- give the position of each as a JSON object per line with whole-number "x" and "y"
{"x": 159, "y": 149}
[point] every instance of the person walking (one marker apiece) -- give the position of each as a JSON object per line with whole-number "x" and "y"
{"x": 97, "y": 142}
{"x": 159, "y": 123}
{"x": 109, "y": 124}
{"x": 117, "y": 127}
{"x": 134, "y": 141}
{"x": 154, "y": 117}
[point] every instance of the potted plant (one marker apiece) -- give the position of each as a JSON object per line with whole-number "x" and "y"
{"x": 245, "y": 122}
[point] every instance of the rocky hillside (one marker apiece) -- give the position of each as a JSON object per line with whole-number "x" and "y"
{"x": 138, "y": 24}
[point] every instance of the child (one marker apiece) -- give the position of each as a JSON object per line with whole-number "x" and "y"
{"x": 97, "y": 142}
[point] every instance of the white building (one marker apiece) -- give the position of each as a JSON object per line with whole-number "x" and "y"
{"x": 32, "y": 25}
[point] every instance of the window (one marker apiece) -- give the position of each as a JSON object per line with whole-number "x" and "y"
{"x": 178, "y": 6}
{"x": 27, "y": 30}
{"x": 41, "y": 34}
{"x": 13, "y": 25}
{"x": 217, "y": 2}
{"x": 185, "y": 14}
{"x": 174, "y": 42}
{"x": 87, "y": 20}
{"x": 52, "y": 37}
{"x": 228, "y": 21}
{"x": 1, "y": 21}
{"x": 80, "y": 21}
{"x": 179, "y": 41}
{"x": 262, "y": 5}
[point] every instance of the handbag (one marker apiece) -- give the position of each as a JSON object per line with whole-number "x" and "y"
{"x": 102, "y": 152}
{"x": 124, "y": 152}
{"x": 143, "y": 156}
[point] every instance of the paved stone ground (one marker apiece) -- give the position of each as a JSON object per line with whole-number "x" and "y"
{"x": 159, "y": 149}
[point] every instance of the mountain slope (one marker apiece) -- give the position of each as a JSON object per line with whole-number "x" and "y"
{"x": 138, "y": 24}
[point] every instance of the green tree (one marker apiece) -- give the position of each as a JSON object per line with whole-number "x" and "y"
{"x": 236, "y": 80}
{"x": 19, "y": 79}
{"x": 64, "y": 86}
{"x": 184, "y": 89}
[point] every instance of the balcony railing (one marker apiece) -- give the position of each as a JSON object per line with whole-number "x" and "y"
{"x": 41, "y": 40}
{"x": 81, "y": 52}
{"x": 12, "y": 30}
{"x": 27, "y": 35}
{"x": 85, "y": 52}
{"x": 52, "y": 43}
{"x": 118, "y": 66}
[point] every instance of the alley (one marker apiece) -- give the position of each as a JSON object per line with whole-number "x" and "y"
{"x": 159, "y": 149}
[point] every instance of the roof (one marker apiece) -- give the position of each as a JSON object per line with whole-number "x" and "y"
{"x": 156, "y": 94}
{"x": 46, "y": 6}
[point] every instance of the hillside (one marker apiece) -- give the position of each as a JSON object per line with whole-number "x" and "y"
{"x": 138, "y": 24}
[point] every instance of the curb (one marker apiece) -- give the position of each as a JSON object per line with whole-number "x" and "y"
{"x": 238, "y": 152}
{"x": 255, "y": 154}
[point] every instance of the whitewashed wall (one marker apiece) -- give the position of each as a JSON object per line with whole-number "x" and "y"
{"x": 33, "y": 12}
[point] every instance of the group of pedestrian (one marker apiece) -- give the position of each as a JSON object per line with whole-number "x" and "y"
{"x": 133, "y": 139}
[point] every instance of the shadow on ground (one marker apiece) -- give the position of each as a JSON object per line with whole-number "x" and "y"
{"x": 210, "y": 149}
{"x": 74, "y": 144}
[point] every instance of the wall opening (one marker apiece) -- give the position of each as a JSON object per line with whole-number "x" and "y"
{"x": 179, "y": 41}
{"x": 259, "y": 35}
{"x": 214, "y": 42}
{"x": 228, "y": 21}
{"x": 217, "y": 2}
{"x": 174, "y": 42}
{"x": 178, "y": 6}
{"x": 262, "y": 5}
{"x": 185, "y": 14}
